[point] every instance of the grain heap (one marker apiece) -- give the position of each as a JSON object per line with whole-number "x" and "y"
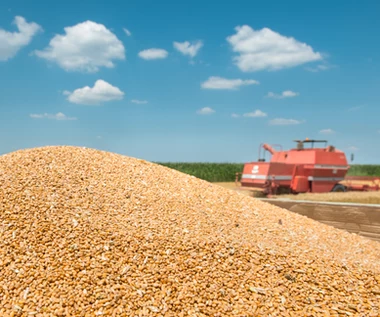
{"x": 90, "y": 233}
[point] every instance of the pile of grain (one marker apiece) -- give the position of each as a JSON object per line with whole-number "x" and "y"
{"x": 90, "y": 233}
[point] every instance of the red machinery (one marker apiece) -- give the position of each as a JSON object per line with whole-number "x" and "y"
{"x": 301, "y": 170}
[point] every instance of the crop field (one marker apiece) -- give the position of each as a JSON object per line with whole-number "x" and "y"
{"x": 225, "y": 172}
{"x": 364, "y": 170}
{"x": 211, "y": 172}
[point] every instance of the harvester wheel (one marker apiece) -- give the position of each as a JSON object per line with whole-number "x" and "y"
{"x": 339, "y": 188}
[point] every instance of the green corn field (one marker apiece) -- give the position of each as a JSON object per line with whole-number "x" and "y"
{"x": 225, "y": 172}
{"x": 364, "y": 170}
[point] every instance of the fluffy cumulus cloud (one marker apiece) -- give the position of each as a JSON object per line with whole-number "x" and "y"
{"x": 255, "y": 114}
{"x": 187, "y": 48}
{"x": 58, "y": 116}
{"x": 224, "y": 83}
{"x": 139, "y": 102}
{"x": 205, "y": 111}
{"x": 282, "y": 121}
{"x": 84, "y": 47}
{"x": 268, "y": 50}
{"x": 283, "y": 95}
{"x": 235, "y": 115}
{"x": 12, "y": 42}
{"x": 327, "y": 131}
{"x": 153, "y": 53}
{"x": 100, "y": 93}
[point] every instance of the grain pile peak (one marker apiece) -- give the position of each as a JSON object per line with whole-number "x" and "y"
{"x": 90, "y": 233}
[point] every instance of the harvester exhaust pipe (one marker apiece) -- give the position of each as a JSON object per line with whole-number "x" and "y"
{"x": 270, "y": 149}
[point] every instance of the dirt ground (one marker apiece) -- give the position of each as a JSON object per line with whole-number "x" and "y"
{"x": 352, "y": 197}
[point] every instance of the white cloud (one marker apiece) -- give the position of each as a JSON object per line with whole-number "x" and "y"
{"x": 282, "y": 121}
{"x": 353, "y": 148}
{"x": 215, "y": 82}
{"x": 327, "y": 131}
{"x": 235, "y": 115}
{"x": 101, "y": 92}
{"x": 355, "y": 108}
{"x": 127, "y": 32}
{"x": 206, "y": 110}
{"x": 255, "y": 114}
{"x": 139, "y": 102}
{"x": 58, "y": 116}
{"x": 289, "y": 94}
{"x": 319, "y": 68}
{"x": 284, "y": 94}
{"x": 12, "y": 42}
{"x": 153, "y": 53}
{"x": 84, "y": 47}
{"x": 187, "y": 48}
{"x": 268, "y": 50}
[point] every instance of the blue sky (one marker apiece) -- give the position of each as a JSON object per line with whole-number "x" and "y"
{"x": 251, "y": 72}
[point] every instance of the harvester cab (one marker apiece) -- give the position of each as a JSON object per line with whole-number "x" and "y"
{"x": 302, "y": 144}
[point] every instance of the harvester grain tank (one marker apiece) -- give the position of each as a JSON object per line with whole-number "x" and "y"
{"x": 306, "y": 168}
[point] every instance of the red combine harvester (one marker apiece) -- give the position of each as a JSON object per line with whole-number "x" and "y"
{"x": 302, "y": 170}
